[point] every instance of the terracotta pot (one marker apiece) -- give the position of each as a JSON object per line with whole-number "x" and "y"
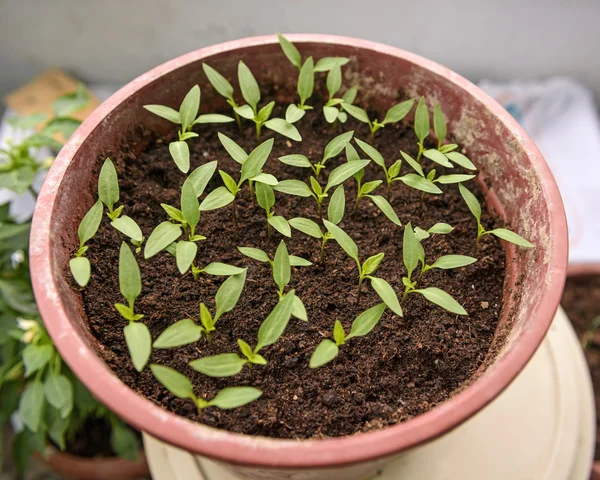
{"x": 578, "y": 271}
{"x": 519, "y": 187}
{"x": 106, "y": 468}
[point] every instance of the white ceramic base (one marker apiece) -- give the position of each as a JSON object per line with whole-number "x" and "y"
{"x": 541, "y": 428}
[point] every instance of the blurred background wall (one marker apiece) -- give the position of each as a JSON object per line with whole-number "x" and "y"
{"x": 113, "y": 41}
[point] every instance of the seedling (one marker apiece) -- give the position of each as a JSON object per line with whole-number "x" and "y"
{"x": 437, "y": 229}
{"x": 335, "y": 213}
{"x": 186, "y": 331}
{"x": 332, "y": 149}
{"x": 251, "y": 93}
{"x": 391, "y": 174}
{"x": 187, "y": 117}
{"x": 293, "y": 55}
{"x": 137, "y": 335}
{"x": 336, "y": 177}
{"x": 503, "y": 233}
{"x": 327, "y": 350}
{"x": 333, "y": 110}
{"x": 181, "y": 386}
{"x": 108, "y": 189}
{"x": 305, "y": 88}
{"x": 251, "y": 168}
{"x": 393, "y": 115}
{"x": 223, "y": 88}
{"x": 412, "y": 254}
{"x": 366, "y": 269}
{"x": 271, "y": 329}
{"x": 266, "y": 200}
{"x": 129, "y": 227}
{"x": 79, "y": 264}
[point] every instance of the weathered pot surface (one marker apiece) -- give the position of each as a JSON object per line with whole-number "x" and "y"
{"x": 521, "y": 188}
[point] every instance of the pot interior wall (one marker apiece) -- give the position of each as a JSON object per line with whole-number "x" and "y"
{"x": 506, "y": 171}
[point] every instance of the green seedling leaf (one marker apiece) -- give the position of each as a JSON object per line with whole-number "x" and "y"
{"x": 296, "y": 160}
{"x": 36, "y": 357}
{"x": 411, "y": 250}
{"x": 331, "y": 113}
{"x": 212, "y": 118}
{"x": 248, "y": 85}
{"x": 282, "y": 271}
{"x": 161, "y": 237}
{"x": 344, "y": 172}
{"x": 180, "y": 333}
{"x": 337, "y": 206}
{"x": 387, "y": 294}
{"x": 284, "y": 128}
{"x": 437, "y": 157}
{"x": 81, "y": 270}
{"x": 350, "y": 95}
{"x": 228, "y": 294}
{"x": 275, "y": 324}
{"x": 220, "y": 366}
{"x": 58, "y": 390}
{"x": 306, "y": 80}
{"x": 351, "y": 153}
{"x": 471, "y": 201}
{"x": 265, "y": 112}
{"x": 216, "y": 199}
{"x": 356, "y": 112}
{"x": 280, "y": 224}
{"x": 456, "y": 178}
{"x": 108, "y": 184}
{"x": 422, "y": 121}
{"x": 447, "y": 262}
{"x": 266, "y": 178}
{"x": 372, "y": 263}
{"x": 185, "y": 253}
{"x": 439, "y": 124}
{"x": 366, "y": 321}
{"x": 343, "y": 239}
{"x": 419, "y": 183}
{"x": 233, "y": 149}
{"x": 398, "y": 112}
{"x": 325, "y": 352}
{"x": 234, "y": 397}
{"x": 299, "y": 261}
{"x": 255, "y": 253}
{"x": 442, "y": 299}
{"x": 511, "y": 237}
{"x": 253, "y": 165}
{"x": 461, "y": 160}
{"x": 338, "y": 333}
{"x": 327, "y": 63}
{"x": 335, "y": 146}
{"x": 334, "y": 82}
{"x": 293, "y": 113}
{"x": 189, "y": 108}
{"x": 371, "y": 152}
{"x": 130, "y": 281}
{"x": 222, "y": 269}
{"x": 293, "y": 187}
{"x": 175, "y": 382}
{"x": 139, "y": 343}
{"x": 441, "y": 228}
{"x": 218, "y": 81}
{"x": 190, "y": 208}
{"x": 180, "y": 152}
{"x": 290, "y": 51}
{"x": 307, "y": 226}
{"x": 386, "y": 208}
{"x": 368, "y": 187}
{"x": 31, "y": 405}
{"x": 265, "y": 197}
{"x": 245, "y": 111}
{"x": 90, "y": 223}
{"x": 127, "y": 226}
{"x": 413, "y": 163}
{"x": 173, "y": 213}
{"x": 299, "y": 310}
{"x": 167, "y": 113}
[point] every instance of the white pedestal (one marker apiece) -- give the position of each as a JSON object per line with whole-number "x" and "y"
{"x": 541, "y": 428}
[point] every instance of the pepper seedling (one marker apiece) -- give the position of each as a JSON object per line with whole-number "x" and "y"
{"x": 333, "y": 110}
{"x": 223, "y": 88}
{"x": 79, "y": 264}
{"x": 266, "y": 200}
{"x": 305, "y": 88}
{"x": 503, "y": 233}
{"x": 335, "y": 213}
{"x": 393, "y": 115}
{"x": 271, "y": 329}
{"x": 327, "y": 350}
{"x": 261, "y": 118}
{"x": 337, "y": 176}
{"x": 137, "y": 335}
{"x": 332, "y": 149}
{"x": 186, "y": 331}
{"x": 187, "y": 117}
{"x": 181, "y": 386}
{"x": 366, "y": 269}
{"x": 293, "y": 55}
{"x": 391, "y": 174}
{"x": 412, "y": 254}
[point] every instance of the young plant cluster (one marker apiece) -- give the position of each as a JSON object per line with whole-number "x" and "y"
{"x": 181, "y": 231}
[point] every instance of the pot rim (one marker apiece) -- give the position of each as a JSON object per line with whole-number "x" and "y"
{"x": 257, "y": 451}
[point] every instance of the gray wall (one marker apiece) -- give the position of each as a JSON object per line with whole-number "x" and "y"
{"x": 114, "y": 41}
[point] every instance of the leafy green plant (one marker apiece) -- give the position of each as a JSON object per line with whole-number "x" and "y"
{"x": 266, "y": 200}
{"x": 332, "y": 149}
{"x": 366, "y": 269}
{"x": 271, "y": 329}
{"x": 137, "y": 335}
{"x": 261, "y": 118}
{"x": 79, "y": 264}
{"x": 412, "y": 254}
{"x": 333, "y": 110}
{"x": 337, "y": 176}
{"x": 186, "y": 331}
{"x": 181, "y": 386}
{"x": 187, "y": 117}
{"x": 393, "y": 115}
{"x": 293, "y": 55}
{"x": 327, "y": 350}
{"x": 503, "y": 233}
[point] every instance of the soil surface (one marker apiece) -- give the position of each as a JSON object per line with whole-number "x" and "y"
{"x": 581, "y": 301}
{"x": 405, "y": 367}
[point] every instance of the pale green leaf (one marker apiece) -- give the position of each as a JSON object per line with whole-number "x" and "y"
{"x": 327, "y": 63}
{"x": 284, "y": 128}
{"x": 344, "y": 240}
{"x": 330, "y": 113}
{"x": 228, "y": 294}
{"x": 371, "y": 152}
{"x": 213, "y": 118}
{"x": 351, "y": 153}
{"x": 335, "y": 146}
{"x": 442, "y": 299}
{"x": 386, "y": 208}
{"x": 167, "y": 113}
{"x": 293, "y": 187}
{"x": 202, "y": 175}
{"x": 234, "y": 397}
{"x": 398, "y": 111}
{"x": 387, "y": 294}
{"x": 108, "y": 184}
{"x": 72, "y": 102}
{"x": 282, "y": 271}
{"x": 306, "y": 226}
{"x": 439, "y": 124}
{"x": 413, "y": 163}
{"x": 245, "y": 111}
{"x": 296, "y": 160}
{"x": 58, "y": 390}
{"x": 299, "y": 310}
{"x": 306, "y": 80}
{"x": 218, "y": 81}
{"x": 81, "y": 270}
{"x": 248, "y": 85}
{"x": 161, "y": 237}
{"x": 334, "y": 82}
{"x": 338, "y": 333}
{"x": 366, "y": 321}
{"x": 139, "y": 343}
{"x": 188, "y": 110}
{"x": 511, "y": 237}
{"x": 455, "y": 178}
{"x": 185, "y": 253}
{"x": 356, "y": 112}
{"x": 461, "y": 160}
{"x": 276, "y": 322}
{"x": 218, "y": 198}
{"x": 422, "y": 120}
{"x": 233, "y": 149}
{"x": 190, "y": 208}
{"x": 265, "y": 112}
{"x": 180, "y": 152}
{"x": 90, "y": 223}
{"x": 411, "y": 250}
{"x": 280, "y": 224}
{"x": 265, "y": 178}
{"x": 265, "y": 196}
{"x": 437, "y": 157}
{"x": 293, "y": 113}
{"x": 229, "y": 182}
{"x": 350, "y": 95}
{"x": 130, "y": 281}
{"x": 299, "y": 261}
{"x": 441, "y": 228}
{"x": 419, "y": 183}
{"x": 220, "y": 366}
{"x": 183, "y": 332}
{"x": 337, "y": 206}
{"x": 325, "y": 352}
{"x": 290, "y": 51}
{"x": 36, "y": 357}
{"x": 368, "y": 187}
{"x": 447, "y": 262}
{"x": 253, "y": 165}
{"x": 127, "y": 226}
{"x": 175, "y": 382}
{"x": 222, "y": 269}
{"x": 254, "y": 253}
{"x": 31, "y": 405}
{"x": 471, "y": 201}
{"x": 371, "y": 264}
{"x": 344, "y": 172}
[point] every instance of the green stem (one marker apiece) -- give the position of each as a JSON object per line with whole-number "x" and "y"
{"x": 360, "y": 280}
{"x": 268, "y": 228}
{"x": 258, "y": 128}
{"x": 238, "y": 121}
{"x": 319, "y": 209}
{"x": 234, "y": 214}
{"x": 251, "y": 187}
{"x": 323, "y": 251}
{"x": 389, "y": 189}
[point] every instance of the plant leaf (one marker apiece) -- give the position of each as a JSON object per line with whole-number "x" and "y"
{"x": 185, "y": 253}
{"x": 218, "y": 198}
{"x": 180, "y": 152}
{"x": 218, "y": 81}
{"x": 234, "y": 397}
{"x": 161, "y": 237}
{"x": 306, "y": 80}
{"x": 222, "y": 269}
{"x": 108, "y": 184}
{"x": 220, "y": 366}
{"x": 398, "y": 111}
{"x": 293, "y": 113}
{"x": 411, "y": 250}
{"x": 446, "y": 262}
{"x": 130, "y": 281}
{"x": 439, "y": 124}
{"x": 71, "y": 102}
{"x": 350, "y": 95}
{"x": 441, "y": 228}
{"x": 334, "y": 81}
{"x": 248, "y": 85}
{"x": 58, "y": 390}
{"x": 338, "y": 333}
{"x": 265, "y": 178}
{"x": 387, "y": 294}
{"x": 167, "y": 113}
{"x": 455, "y": 178}
{"x": 81, "y": 270}
{"x": 284, "y": 128}
{"x": 325, "y": 352}
{"x": 413, "y": 163}
{"x": 90, "y": 223}
{"x": 280, "y": 224}
{"x": 175, "y": 382}
{"x": 368, "y": 187}
{"x": 337, "y": 206}
{"x": 307, "y": 226}
{"x": 265, "y": 196}
{"x": 228, "y": 294}
{"x": 344, "y": 172}
{"x": 31, "y": 405}
{"x": 356, "y": 112}
{"x": 422, "y": 121}
{"x": 331, "y": 113}
{"x": 437, "y": 157}
{"x": 265, "y": 112}
{"x": 212, "y": 118}
{"x": 180, "y": 333}
{"x": 139, "y": 343}
{"x": 276, "y": 322}
{"x": 282, "y": 271}
{"x": 442, "y": 299}
{"x": 190, "y": 208}
{"x": 254, "y": 253}
{"x": 290, "y": 51}
{"x": 253, "y": 165}
{"x": 386, "y": 208}
{"x": 419, "y": 183}
{"x": 245, "y": 111}
{"x": 327, "y": 63}
{"x": 202, "y": 175}
{"x": 35, "y": 357}
{"x": 511, "y": 237}
{"x": 188, "y": 110}
{"x": 351, "y": 153}
{"x": 461, "y": 160}
{"x": 127, "y": 226}
{"x": 343, "y": 239}
{"x": 335, "y": 146}
{"x": 299, "y": 310}
{"x": 299, "y": 261}
{"x": 296, "y": 160}
{"x": 293, "y": 187}
{"x": 371, "y": 152}
{"x": 233, "y": 149}
{"x": 372, "y": 263}
{"x": 471, "y": 201}
{"x": 366, "y": 321}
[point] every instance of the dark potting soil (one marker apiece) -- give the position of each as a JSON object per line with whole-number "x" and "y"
{"x": 581, "y": 301}
{"x": 403, "y": 368}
